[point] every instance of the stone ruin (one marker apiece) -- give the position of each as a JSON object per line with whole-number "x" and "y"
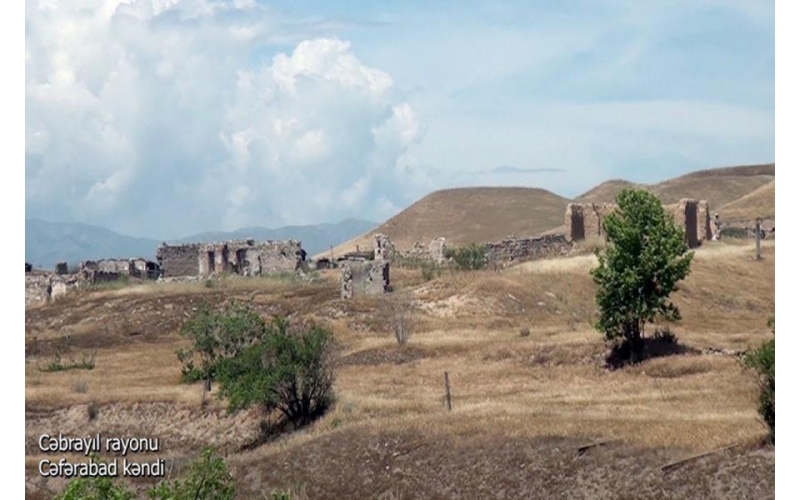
{"x": 384, "y": 249}
{"x": 369, "y": 278}
{"x": 112, "y": 269}
{"x": 62, "y": 268}
{"x": 584, "y": 221}
{"x": 513, "y": 250}
{"x": 438, "y": 250}
{"x": 243, "y": 257}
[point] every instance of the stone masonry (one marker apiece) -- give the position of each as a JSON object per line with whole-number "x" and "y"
{"x": 584, "y": 221}
{"x": 438, "y": 250}
{"x": 244, "y": 257}
{"x": 369, "y": 278}
{"x": 384, "y": 249}
{"x": 515, "y": 250}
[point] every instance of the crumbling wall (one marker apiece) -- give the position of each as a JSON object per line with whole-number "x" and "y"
{"x": 438, "y": 250}
{"x": 61, "y": 268}
{"x": 41, "y": 288}
{"x": 245, "y": 257}
{"x": 384, "y": 249}
{"x": 179, "y": 260}
{"x": 584, "y": 221}
{"x": 368, "y": 278}
{"x": 514, "y": 250}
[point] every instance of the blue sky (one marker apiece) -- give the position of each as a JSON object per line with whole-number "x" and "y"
{"x": 165, "y": 117}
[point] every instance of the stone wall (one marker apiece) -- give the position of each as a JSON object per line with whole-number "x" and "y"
{"x": 244, "y": 257}
{"x": 41, "y": 288}
{"x": 584, "y": 221}
{"x": 368, "y": 278}
{"x": 438, "y": 250}
{"x": 103, "y": 270}
{"x": 514, "y": 250}
{"x": 384, "y": 249}
{"x": 179, "y": 260}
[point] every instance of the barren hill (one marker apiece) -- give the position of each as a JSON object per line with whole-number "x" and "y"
{"x": 482, "y": 214}
{"x": 719, "y": 186}
{"x": 759, "y": 203}
{"x": 466, "y": 215}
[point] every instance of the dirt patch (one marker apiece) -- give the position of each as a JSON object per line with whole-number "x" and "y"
{"x": 382, "y": 355}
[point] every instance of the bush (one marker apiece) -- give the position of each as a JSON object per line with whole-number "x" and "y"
{"x": 645, "y": 258}
{"x": 208, "y": 479}
{"x": 398, "y": 316}
{"x": 216, "y": 335}
{"x": 524, "y": 331}
{"x": 287, "y": 370}
{"x": 59, "y": 365}
{"x": 430, "y": 270}
{"x": 96, "y": 488}
{"x": 762, "y": 360}
{"x": 469, "y": 258}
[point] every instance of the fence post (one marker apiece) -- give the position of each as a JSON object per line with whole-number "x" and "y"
{"x": 758, "y": 239}
{"x": 447, "y": 392}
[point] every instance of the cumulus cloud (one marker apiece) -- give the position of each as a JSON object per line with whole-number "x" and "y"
{"x": 163, "y": 117}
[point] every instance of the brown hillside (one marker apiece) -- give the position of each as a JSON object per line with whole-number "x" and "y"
{"x": 719, "y": 186}
{"x": 467, "y": 215}
{"x": 606, "y": 192}
{"x": 482, "y": 214}
{"x": 759, "y": 203}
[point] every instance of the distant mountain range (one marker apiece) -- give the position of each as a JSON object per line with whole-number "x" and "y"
{"x": 49, "y": 242}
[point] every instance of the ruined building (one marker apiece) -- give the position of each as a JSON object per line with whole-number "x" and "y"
{"x": 244, "y": 257}
{"x": 584, "y": 221}
{"x": 367, "y": 278}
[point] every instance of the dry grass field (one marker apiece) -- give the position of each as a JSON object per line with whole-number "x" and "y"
{"x": 522, "y": 405}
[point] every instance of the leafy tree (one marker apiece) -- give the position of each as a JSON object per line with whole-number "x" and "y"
{"x": 762, "y": 360}
{"x": 207, "y": 479}
{"x": 645, "y": 258}
{"x": 216, "y": 335}
{"x": 288, "y": 371}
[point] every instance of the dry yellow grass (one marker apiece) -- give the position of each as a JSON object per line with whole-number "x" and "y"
{"x": 549, "y": 383}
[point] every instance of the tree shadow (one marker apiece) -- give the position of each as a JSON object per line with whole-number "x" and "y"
{"x": 624, "y": 353}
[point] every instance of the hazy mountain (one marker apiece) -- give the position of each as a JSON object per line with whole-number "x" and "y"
{"x": 49, "y": 242}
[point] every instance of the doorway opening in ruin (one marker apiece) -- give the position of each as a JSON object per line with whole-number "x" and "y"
{"x": 241, "y": 260}
{"x": 211, "y": 263}
{"x": 578, "y": 230}
{"x": 690, "y": 225}
{"x": 225, "y": 260}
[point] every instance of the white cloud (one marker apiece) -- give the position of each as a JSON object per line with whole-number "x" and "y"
{"x": 156, "y": 118}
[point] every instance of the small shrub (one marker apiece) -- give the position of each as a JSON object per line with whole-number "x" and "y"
{"x": 470, "y": 258}
{"x": 665, "y": 335}
{"x": 208, "y": 283}
{"x": 207, "y": 479}
{"x": 59, "y": 365}
{"x": 762, "y": 361}
{"x": 91, "y": 411}
{"x": 96, "y": 488}
{"x": 80, "y": 387}
{"x": 399, "y": 317}
{"x": 430, "y": 270}
{"x": 524, "y": 331}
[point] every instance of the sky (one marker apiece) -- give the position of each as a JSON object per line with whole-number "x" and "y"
{"x": 164, "y": 118}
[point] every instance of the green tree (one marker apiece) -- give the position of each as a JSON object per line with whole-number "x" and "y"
{"x": 645, "y": 258}
{"x": 762, "y": 360}
{"x": 207, "y": 479}
{"x": 288, "y": 370}
{"x": 216, "y": 335}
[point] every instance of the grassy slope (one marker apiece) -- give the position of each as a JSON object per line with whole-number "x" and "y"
{"x": 531, "y": 399}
